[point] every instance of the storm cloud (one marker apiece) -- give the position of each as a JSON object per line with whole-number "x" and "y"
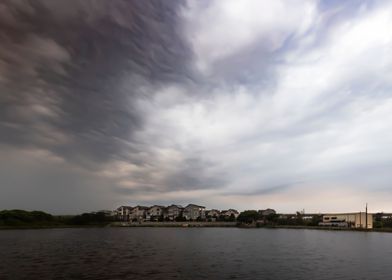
{"x": 242, "y": 104}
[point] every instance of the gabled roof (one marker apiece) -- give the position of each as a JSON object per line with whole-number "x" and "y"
{"x": 230, "y": 210}
{"x": 194, "y": 205}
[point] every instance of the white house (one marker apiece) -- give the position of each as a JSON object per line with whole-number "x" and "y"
{"x": 155, "y": 212}
{"x": 194, "y": 212}
{"x": 230, "y": 213}
{"x": 173, "y": 211}
{"x": 123, "y": 213}
{"x": 138, "y": 213}
{"x": 213, "y": 213}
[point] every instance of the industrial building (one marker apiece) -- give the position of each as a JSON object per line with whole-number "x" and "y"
{"x": 351, "y": 220}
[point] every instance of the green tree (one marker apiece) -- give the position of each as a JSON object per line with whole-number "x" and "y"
{"x": 272, "y": 218}
{"x": 299, "y": 219}
{"x": 248, "y": 217}
{"x": 90, "y": 219}
{"x": 316, "y": 219}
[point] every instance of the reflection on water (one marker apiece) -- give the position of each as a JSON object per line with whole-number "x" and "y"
{"x": 194, "y": 253}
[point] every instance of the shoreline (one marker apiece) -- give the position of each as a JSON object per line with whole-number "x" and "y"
{"x": 175, "y": 224}
{"x": 191, "y": 225}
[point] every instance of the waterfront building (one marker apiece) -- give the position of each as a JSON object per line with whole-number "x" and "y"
{"x": 352, "y": 220}
{"x": 172, "y": 212}
{"x": 194, "y": 212}
{"x": 138, "y": 213}
{"x": 213, "y": 213}
{"x": 230, "y": 213}
{"x": 155, "y": 212}
{"x": 122, "y": 213}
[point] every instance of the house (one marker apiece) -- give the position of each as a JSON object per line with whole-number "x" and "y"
{"x": 194, "y": 212}
{"x": 230, "y": 213}
{"x": 355, "y": 220}
{"x": 213, "y": 213}
{"x": 155, "y": 213}
{"x": 123, "y": 213}
{"x": 138, "y": 213}
{"x": 267, "y": 212}
{"x": 172, "y": 212}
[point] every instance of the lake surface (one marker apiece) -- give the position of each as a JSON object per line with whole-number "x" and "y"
{"x": 194, "y": 253}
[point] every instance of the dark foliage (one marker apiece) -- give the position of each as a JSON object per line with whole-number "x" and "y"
{"x": 381, "y": 222}
{"x": 90, "y": 219}
{"x": 21, "y": 218}
{"x": 248, "y": 217}
{"x": 180, "y": 219}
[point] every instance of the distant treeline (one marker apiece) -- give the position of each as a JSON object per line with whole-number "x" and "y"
{"x": 98, "y": 218}
{"x": 22, "y": 218}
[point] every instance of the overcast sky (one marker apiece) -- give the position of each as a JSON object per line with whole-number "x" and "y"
{"x": 240, "y": 104}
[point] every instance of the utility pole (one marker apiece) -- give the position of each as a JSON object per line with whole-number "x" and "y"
{"x": 366, "y": 218}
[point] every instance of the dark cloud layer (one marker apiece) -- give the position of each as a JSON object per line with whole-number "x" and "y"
{"x": 71, "y": 71}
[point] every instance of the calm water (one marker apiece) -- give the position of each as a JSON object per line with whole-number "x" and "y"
{"x": 194, "y": 253}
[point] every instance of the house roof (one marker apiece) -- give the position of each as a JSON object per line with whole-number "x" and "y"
{"x": 230, "y": 210}
{"x": 194, "y": 205}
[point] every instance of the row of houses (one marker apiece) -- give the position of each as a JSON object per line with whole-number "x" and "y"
{"x": 193, "y": 212}
{"x": 174, "y": 212}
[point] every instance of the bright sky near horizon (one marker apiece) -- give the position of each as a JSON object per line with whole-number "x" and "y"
{"x": 242, "y": 104}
